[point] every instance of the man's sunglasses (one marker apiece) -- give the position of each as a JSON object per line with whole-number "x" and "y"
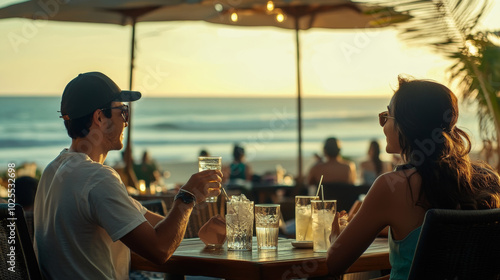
{"x": 382, "y": 118}
{"x": 125, "y": 111}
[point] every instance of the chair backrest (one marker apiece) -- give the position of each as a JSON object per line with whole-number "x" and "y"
{"x": 201, "y": 213}
{"x": 345, "y": 194}
{"x": 17, "y": 257}
{"x": 155, "y": 205}
{"x": 458, "y": 244}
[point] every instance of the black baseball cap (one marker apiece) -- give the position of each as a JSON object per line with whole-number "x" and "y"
{"x": 89, "y": 92}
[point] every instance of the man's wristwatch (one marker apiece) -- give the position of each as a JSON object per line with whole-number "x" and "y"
{"x": 185, "y": 196}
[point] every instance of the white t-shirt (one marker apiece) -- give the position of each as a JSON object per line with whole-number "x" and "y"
{"x": 81, "y": 211}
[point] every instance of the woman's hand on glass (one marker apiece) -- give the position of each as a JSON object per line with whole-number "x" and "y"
{"x": 338, "y": 225}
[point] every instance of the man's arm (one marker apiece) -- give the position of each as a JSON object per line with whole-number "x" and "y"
{"x": 158, "y": 242}
{"x": 153, "y": 218}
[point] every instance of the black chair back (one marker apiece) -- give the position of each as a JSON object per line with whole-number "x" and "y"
{"x": 17, "y": 257}
{"x": 458, "y": 244}
{"x": 345, "y": 194}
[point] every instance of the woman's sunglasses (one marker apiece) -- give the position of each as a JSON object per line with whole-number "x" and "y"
{"x": 382, "y": 118}
{"x": 125, "y": 111}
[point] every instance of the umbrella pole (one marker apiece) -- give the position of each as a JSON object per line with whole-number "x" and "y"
{"x": 300, "y": 180}
{"x": 129, "y": 170}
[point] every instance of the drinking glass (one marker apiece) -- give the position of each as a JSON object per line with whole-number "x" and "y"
{"x": 267, "y": 218}
{"x": 323, "y": 212}
{"x": 303, "y": 218}
{"x": 210, "y": 163}
{"x": 239, "y": 223}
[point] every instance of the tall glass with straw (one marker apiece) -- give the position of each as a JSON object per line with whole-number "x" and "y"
{"x": 303, "y": 216}
{"x": 323, "y": 213}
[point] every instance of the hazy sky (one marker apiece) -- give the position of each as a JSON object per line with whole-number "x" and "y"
{"x": 203, "y": 59}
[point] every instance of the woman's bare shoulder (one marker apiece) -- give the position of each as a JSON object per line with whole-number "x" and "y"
{"x": 394, "y": 181}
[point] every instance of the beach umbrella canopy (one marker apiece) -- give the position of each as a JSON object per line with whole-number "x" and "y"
{"x": 303, "y": 15}
{"x": 121, "y": 12}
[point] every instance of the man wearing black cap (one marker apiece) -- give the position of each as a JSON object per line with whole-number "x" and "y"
{"x": 85, "y": 222}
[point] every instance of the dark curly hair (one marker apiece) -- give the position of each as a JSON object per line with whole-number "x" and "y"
{"x": 425, "y": 115}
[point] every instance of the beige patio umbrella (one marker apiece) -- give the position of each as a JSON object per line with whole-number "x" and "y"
{"x": 303, "y": 15}
{"x": 121, "y": 12}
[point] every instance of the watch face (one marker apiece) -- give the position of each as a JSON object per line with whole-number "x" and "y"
{"x": 185, "y": 197}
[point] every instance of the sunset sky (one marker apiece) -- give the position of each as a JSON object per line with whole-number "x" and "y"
{"x": 203, "y": 59}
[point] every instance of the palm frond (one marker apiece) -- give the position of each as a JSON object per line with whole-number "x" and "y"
{"x": 438, "y": 23}
{"x": 448, "y": 26}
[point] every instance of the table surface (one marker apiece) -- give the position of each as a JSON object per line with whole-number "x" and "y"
{"x": 191, "y": 258}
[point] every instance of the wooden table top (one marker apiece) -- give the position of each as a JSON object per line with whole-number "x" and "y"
{"x": 191, "y": 258}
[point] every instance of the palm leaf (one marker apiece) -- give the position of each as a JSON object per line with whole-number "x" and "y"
{"x": 448, "y": 26}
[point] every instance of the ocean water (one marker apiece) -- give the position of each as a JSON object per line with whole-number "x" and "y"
{"x": 176, "y": 129}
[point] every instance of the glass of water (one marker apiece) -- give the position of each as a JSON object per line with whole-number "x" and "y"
{"x": 267, "y": 217}
{"x": 239, "y": 223}
{"x": 210, "y": 163}
{"x": 323, "y": 212}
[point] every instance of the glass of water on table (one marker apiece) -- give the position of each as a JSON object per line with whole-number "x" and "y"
{"x": 267, "y": 218}
{"x": 210, "y": 163}
{"x": 239, "y": 223}
{"x": 323, "y": 213}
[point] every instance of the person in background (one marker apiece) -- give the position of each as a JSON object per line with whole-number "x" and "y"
{"x": 238, "y": 169}
{"x": 147, "y": 170}
{"x": 374, "y": 166}
{"x": 85, "y": 222}
{"x": 420, "y": 125}
{"x": 204, "y": 153}
{"x": 334, "y": 169}
{"x": 129, "y": 179}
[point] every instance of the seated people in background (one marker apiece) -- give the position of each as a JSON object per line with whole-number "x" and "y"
{"x": 129, "y": 178}
{"x": 373, "y": 167}
{"x": 420, "y": 125}
{"x": 147, "y": 170}
{"x": 85, "y": 222}
{"x": 334, "y": 169}
{"x": 239, "y": 170}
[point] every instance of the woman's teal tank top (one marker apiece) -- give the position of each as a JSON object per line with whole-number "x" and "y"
{"x": 401, "y": 254}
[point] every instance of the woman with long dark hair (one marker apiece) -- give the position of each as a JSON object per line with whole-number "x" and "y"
{"x": 373, "y": 166}
{"x": 420, "y": 125}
